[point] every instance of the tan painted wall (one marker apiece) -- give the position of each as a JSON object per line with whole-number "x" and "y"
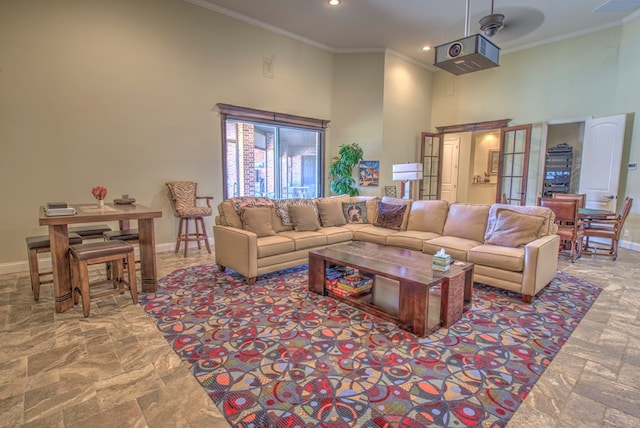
{"x": 122, "y": 94}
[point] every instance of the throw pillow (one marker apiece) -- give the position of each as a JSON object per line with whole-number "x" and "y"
{"x": 304, "y": 217}
{"x": 355, "y": 212}
{"x": 390, "y": 216}
{"x": 513, "y": 229}
{"x": 282, "y": 208}
{"x": 330, "y": 212}
{"x": 258, "y": 221}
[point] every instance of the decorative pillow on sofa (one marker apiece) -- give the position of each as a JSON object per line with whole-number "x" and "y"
{"x": 304, "y": 217}
{"x": 330, "y": 212}
{"x": 355, "y": 212}
{"x": 258, "y": 221}
{"x": 513, "y": 229}
{"x": 390, "y": 216}
{"x": 282, "y": 208}
{"x": 398, "y": 201}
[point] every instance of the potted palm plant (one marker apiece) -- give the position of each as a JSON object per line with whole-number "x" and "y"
{"x": 341, "y": 169}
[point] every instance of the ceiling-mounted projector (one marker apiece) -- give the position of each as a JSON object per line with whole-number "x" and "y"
{"x": 473, "y": 53}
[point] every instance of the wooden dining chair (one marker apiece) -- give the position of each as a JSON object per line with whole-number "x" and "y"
{"x": 570, "y": 228}
{"x": 606, "y": 229}
{"x": 580, "y": 197}
{"x": 185, "y": 199}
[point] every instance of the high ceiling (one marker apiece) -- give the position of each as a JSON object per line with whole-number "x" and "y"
{"x": 405, "y": 26}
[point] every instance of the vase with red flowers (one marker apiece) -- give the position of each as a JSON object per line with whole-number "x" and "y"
{"x": 99, "y": 192}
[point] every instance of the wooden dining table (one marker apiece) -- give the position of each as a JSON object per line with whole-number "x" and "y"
{"x": 593, "y": 214}
{"x": 92, "y": 213}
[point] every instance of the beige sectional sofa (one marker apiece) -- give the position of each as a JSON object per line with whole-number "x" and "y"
{"x": 512, "y": 247}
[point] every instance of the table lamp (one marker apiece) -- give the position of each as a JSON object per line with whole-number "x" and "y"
{"x": 406, "y": 173}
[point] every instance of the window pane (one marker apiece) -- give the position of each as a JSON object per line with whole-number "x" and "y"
{"x": 270, "y": 160}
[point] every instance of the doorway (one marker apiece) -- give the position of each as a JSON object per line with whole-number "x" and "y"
{"x": 595, "y": 163}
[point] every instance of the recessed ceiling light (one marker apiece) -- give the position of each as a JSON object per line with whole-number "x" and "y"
{"x": 334, "y": 2}
{"x": 426, "y": 48}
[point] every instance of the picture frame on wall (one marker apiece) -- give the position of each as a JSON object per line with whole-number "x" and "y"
{"x": 369, "y": 172}
{"x": 494, "y": 162}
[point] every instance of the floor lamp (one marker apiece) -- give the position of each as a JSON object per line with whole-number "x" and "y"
{"x": 406, "y": 173}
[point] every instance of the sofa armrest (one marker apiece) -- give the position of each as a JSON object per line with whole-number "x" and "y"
{"x": 540, "y": 264}
{"x": 236, "y": 249}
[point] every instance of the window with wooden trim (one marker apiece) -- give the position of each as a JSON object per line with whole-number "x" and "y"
{"x": 271, "y": 154}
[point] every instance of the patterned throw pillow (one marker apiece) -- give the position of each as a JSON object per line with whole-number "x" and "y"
{"x": 355, "y": 212}
{"x": 390, "y": 216}
{"x": 282, "y": 208}
{"x": 242, "y": 202}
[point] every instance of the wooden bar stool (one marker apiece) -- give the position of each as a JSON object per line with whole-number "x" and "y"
{"x": 41, "y": 244}
{"x": 128, "y": 235}
{"x": 184, "y": 199}
{"x": 114, "y": 252}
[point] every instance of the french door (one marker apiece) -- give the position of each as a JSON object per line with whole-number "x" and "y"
{"x": 431, "y": 158}
{"x": 514, "y": 164}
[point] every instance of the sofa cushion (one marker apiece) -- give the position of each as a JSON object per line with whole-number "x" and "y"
{"x": 355, "y": 212}
{"x": 303, "y": 218}
{"x": 330, "y": 211}
{"x": 397, "y": 201}
{"x": 411, "y": 239}
{"x": 548, "y": 228}
{"x": 467, "y": 221}
{"x": 335, "y": 235}
{"x": 258, "y": 220}
{"x": 390, "y": 216}
{"x": 228, "y": 215}
{"x": 428, "y": 216}
{"x": 305, "y": 239}
{"x": 371, "y": 233}
{"x": 454, "y": 246}
{"x": 513, "y": 229}
{"x": 500, "y": 257}
{"x": 272, "y": 245}
{"x": 282, "y": 207}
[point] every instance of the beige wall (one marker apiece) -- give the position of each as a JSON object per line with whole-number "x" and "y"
{"x": 357, "y": 103}
{"x": 122, "y": 93}
{"x": 407, "y": 113}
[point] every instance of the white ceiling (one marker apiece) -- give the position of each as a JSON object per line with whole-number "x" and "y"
{"x": 405, "y": 26}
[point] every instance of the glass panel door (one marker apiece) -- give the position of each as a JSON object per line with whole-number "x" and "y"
{"x": 514, "y": 164}
{"x": 430, "y": 156}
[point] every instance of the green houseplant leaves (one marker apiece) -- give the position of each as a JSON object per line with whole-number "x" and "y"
{"x": 341, "y": 169}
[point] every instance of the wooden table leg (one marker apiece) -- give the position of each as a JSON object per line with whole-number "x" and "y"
{"x": 147, "y": 255}
{"x": 316, "y": 274}
{"x": 59, "y": 240}
{"x": 413, "y": 307}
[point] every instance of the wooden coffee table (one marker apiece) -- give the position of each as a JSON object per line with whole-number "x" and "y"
{"x": 409, "y": 280}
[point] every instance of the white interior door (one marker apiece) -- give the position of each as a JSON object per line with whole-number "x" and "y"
{"x": 450, "y": 155}
{"x": 601, "y": 158}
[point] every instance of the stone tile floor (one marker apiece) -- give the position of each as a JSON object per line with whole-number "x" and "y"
{"x": 115, "y": 369}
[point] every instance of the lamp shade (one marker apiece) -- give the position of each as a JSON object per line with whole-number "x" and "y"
{"x": 407, "y": 171}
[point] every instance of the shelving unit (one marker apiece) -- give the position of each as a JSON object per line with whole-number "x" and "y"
{"x": 557, "y": 170}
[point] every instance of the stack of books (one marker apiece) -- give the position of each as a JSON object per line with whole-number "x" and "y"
{"x": 441, "y": 263}
{"x": 353, "y": 286}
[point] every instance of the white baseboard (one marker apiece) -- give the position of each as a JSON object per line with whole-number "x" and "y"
{"x": 629, "y": 245}
{"x": 44, "y": 262}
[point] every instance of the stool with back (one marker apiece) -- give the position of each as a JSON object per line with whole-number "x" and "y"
{"x": 184, "y": 199}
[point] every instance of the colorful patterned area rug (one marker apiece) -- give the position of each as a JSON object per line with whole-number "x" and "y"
{"x": 274, "y": 355}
